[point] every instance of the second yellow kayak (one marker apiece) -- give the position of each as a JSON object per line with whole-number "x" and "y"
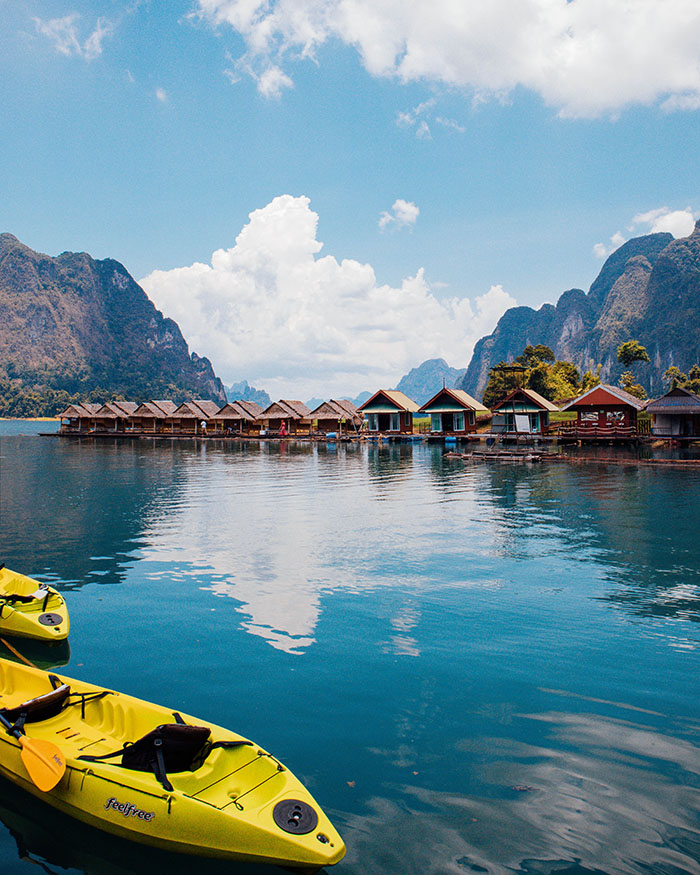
{"x": 31, "y": 609}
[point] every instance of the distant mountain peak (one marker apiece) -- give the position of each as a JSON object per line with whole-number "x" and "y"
{"x": 424, "y": 381}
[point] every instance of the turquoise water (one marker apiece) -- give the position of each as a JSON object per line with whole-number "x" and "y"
{"x": 473, "y": 668}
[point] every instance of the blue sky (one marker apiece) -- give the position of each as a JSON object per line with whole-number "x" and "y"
{"x": 452, "y": 160}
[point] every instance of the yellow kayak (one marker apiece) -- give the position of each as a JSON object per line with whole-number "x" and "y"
{"x": 151, "y": 775}
{"x": 31, "y": 609}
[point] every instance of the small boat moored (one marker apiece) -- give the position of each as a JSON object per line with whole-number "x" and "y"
{"x": 30, "y": 609}
{"x": 155, "y": 776}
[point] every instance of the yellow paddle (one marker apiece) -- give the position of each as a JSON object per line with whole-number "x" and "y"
{"x": 44, "y": 762}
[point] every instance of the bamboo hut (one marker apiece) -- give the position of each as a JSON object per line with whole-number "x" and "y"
{"x": 114, "y": 416}
{"x": 238, "y": 418}
{"x": 338, "y": 416}
{"x": 192, "y": 417}
{"x": 78, "y": 417}
{"x": 151, "y": 416}
{"x": 295, "y": 415}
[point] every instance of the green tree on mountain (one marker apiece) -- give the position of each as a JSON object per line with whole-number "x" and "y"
{"x": 690, "y": 381}
{"x": 630, "y": 352}
{"x": 627, "y": 354}
{"x": 535, "y": 368}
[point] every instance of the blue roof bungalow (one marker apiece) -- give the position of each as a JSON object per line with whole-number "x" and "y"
{"x": 389, "y": 411}
{"x": 524, "y": 411}
{"x": 676, "y": 414}
{"x": 452, "y": 412}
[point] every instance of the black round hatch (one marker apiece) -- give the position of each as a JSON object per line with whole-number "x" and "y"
{"x": 50, "y": 619}
{"x": 295, "y": 816}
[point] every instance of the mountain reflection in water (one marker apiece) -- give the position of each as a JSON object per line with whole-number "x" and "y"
{"x": 474, "y": 668}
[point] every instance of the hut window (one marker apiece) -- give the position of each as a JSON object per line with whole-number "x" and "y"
{"x": 589, "y": 416}
{"x": 615, "y": 417}
{"x": 372, "y": 422}
{"x": 459, "y": 421}
{"x": 394, "y": 422}
{"x": 435, "y": 422}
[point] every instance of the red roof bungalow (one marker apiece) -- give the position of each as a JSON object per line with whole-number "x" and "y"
{"x": 295, "y": 415}
{"x": 238, "y": 417}
{"x": 524, "y": 411}
{"x": 676, "y": 414}
{"x": 389, "y": 411}
{"x": 78, "y": 417}
{"x": 336, "y": 416}
{"x": 452, "y": 412}
{"x": 605, "y": 411}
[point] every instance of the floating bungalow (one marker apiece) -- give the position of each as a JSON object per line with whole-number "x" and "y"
{"x": 452, "y": 412}
{"x": 114, "y": 416}
{"x": 389, "y": 411}
{"x": 335, "y": 417}
{"x": 295, "y": 415}
{"x": 238, "y": 418}
{"x": 675, "y": 415}
{"x": 524, "y": 411}
{"x": 603, "y": 412}
{"x": 152, "y": 416}
{"x": 192, "y": 417}
{"x": 78, "y": 417}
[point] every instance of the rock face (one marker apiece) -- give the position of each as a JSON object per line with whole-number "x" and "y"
{"x": 648, "y": 290}
{"x": 426, "y": 380}
{"x": 72, "y": 323}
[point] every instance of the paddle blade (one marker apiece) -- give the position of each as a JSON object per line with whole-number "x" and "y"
{"x": 43, "y": 761}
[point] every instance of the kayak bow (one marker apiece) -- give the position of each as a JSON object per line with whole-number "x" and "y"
{"x": 31, "y": 609}
{"x": 152, "y": 775}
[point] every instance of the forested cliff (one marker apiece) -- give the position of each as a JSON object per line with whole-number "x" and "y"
{"x": 648, "y": 289}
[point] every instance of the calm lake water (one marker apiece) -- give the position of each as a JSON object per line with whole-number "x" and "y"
{"x": 473, "y": 668}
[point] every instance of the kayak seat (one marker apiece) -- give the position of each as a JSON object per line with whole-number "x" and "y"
{"x": 39, "y": 708}
{"x": 171, "y": 747}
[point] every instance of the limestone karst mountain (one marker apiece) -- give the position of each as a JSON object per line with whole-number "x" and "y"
{"x": 648, "y": 289}
{"x": 75, "y": 325}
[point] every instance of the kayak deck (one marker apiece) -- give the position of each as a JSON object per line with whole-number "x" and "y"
{"x": 234, "y": 801}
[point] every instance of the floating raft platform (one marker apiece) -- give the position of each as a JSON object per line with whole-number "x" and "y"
{"x": 536, "y": 456}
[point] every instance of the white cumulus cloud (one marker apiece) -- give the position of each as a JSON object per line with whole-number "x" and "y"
{"x": 582, "y": 58}
{"x": 403, "y": 214}
{"x": 272, "y": 310}
{"x": 680, "y": 223}
{"x": 64, "y": 34}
